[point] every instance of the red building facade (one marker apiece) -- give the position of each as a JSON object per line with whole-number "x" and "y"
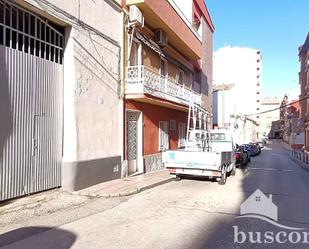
{"x": 304, "y": 89}
{"x": 169, "y": 67}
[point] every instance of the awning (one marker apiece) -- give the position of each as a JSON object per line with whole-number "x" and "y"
{"x": 156, "y": 48}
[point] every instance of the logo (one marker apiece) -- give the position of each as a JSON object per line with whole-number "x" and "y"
{"x": 172, "y": 156}
{"x": 259, "y": 206}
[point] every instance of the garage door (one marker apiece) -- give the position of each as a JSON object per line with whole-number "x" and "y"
{"x": 30, "y": 102}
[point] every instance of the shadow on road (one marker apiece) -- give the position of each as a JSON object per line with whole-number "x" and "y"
{"x": 49, "y": 238}
{"x": 288, "y": 185}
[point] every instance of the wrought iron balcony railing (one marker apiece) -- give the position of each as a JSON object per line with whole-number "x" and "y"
{"x": 143, "y": 80}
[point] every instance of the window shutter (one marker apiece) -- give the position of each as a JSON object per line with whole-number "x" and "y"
{"x": 166, "y": 128}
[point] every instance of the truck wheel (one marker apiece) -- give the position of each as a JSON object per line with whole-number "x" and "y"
{"x": 222, "y": 180}
{"x": 178, "y": 178}
{"x": 233, "y": 172}
{"x": 246, "y": 162}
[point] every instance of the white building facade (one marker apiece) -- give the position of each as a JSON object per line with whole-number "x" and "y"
{"x": 268, "y": 117}
{"x": 62, "y": 106}
{"x": 237, "y": 84}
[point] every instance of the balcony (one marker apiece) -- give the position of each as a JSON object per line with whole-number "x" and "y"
{"x": 142, "y": 80}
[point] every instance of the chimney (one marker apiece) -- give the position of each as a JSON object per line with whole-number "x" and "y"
{"x": 270, "y": 197}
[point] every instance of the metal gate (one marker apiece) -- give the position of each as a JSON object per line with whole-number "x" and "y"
{"x": 30, "y": 102}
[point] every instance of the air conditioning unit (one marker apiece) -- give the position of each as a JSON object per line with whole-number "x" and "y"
{"x": 136, "y": 16}
{"x": 161, "y": 37}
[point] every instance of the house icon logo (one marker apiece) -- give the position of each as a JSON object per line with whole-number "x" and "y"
{"x": 261, "y": 207}
{"x": 259, "y": 204}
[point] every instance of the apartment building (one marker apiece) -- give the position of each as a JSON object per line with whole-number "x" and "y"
{"x": 221, "y": 98}
{"x": 295, "y": 127}
{"x": 61, "y": 106}
{"x": 291, "y": 125}
{"x": 267, "y": 116}
{"x": 276, "y": 130}
{"x": 240, "y": 69}
{"x": 304, "y": 88}
{"x": 284, "y": 106}
{"x": 169, "y": 66}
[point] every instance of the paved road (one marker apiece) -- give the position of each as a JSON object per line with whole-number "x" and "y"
{"x": 193, "y": 213}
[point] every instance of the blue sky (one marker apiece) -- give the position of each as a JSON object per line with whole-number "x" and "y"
{"x": 275, "y": 27}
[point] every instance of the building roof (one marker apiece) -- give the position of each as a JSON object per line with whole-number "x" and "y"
{"x": 295, "y": 105}
{"x": 270, "y": 101}
{"x": 305, "y": 46}
{"x": 203, "y": 8}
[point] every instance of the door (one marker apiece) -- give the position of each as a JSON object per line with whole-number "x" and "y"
{"x": 47, "y": 129}
{"x": 135, "y": 142}
{"x": 164, "y": 75}
{"x": 135, "y": 68}
{"x": 135, "y": 54}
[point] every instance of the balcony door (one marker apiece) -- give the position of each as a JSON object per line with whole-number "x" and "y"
{"x": 164, "y": 75}
{"x": 136, "y": 54}
{"x": 163, "y": 68}
{"x": 135, "y": 69}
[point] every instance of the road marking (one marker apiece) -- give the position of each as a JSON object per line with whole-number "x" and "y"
{"x": 271, "y": 169}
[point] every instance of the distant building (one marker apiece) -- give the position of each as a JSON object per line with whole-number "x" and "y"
{"x": 240, "y": 68}
{"x": 295, "y": 127}
{"x": 268, "y": 117}
{"x": 221, "y": 99}
{"x": 243, "y": 127}
{"x": 276, "y": 130}
{"x": 304, "y": 90}
{"x": 284, "y": 118}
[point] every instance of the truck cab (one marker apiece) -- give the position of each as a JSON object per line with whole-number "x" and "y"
{"x": 221, "y": 140}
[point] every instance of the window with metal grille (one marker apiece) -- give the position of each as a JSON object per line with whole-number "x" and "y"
{"x": 163, "y": 135}
{"x": 29, "y": 33}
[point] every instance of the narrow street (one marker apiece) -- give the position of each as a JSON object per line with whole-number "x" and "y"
{"x": 188, "y": 214}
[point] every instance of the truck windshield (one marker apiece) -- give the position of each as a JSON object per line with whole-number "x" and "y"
{"x": 217, "y": 136}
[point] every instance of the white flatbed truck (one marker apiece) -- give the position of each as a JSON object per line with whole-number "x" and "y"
{"x": 217, "y": 162}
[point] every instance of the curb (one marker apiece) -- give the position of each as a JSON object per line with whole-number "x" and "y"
{"x": 138, "y": 190}
{"x": 300, "y": 163}
{"x": 132, "y": 191}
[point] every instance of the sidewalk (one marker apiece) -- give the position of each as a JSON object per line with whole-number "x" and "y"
{"x": 127, "y": 186}
{"x": 285, "y": 145}
{"x": 297, "y": 155}
{"x": 56, "y": 207}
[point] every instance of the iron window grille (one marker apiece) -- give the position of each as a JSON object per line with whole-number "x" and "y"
{"x": 29, "y": 33}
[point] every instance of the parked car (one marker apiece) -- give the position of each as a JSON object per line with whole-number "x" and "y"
{"x": 252, "y": 150}
{"x": 242, "y": 156}
{"x": 257, "y": 148}
{"x": 261, "y": 143}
